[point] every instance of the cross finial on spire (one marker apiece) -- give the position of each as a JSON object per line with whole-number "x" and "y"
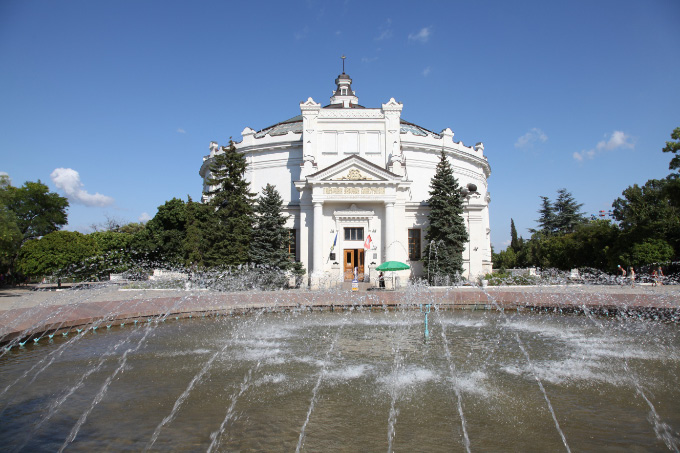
{"x": 343, "y": 63}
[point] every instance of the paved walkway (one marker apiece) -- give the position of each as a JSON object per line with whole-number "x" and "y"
{"x": 25, "y": 313}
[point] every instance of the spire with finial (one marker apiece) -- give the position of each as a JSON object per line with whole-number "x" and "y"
{"x": 344, "y": 94}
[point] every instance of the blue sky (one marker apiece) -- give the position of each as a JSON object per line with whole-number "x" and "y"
{"x": 114, "y": 103}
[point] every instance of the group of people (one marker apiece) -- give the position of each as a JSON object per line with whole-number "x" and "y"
{"x": 657, "y": 276}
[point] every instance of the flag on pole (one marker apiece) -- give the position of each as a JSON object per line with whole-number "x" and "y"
{"x": 335, "y": 241}
{"x": 367, "y": 242}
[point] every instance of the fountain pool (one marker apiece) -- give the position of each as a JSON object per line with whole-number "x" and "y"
{"x": 351, "y": 380}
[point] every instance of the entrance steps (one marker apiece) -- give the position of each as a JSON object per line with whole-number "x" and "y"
{"x": 363, "y": 286}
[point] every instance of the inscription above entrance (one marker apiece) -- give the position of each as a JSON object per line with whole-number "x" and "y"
{"x": 354, "y": 190}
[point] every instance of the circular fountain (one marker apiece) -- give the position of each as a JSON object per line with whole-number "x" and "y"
{"x": 358, "y": 377}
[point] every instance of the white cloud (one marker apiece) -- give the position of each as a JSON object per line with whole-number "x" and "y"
{"x": 617, "y": 140}
{"x": 68, "y": 180}
{"x": 181, "y": 131}
{"x": 580, "y": 156}
{"x": 385, "y": 31}
{"x": 144, "y": 217}
{"x": 427, "y": 71}
{"x": 368, "y": 60}
{"x": 301, "y": 34}
{"x": 422, "y": 36}
{"x": 535, "y": 135}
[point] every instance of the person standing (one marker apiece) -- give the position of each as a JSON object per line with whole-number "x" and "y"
{"x": 623, "y": 275}
{"x": 660, "y": 276}
{"x": 632, "y": 277}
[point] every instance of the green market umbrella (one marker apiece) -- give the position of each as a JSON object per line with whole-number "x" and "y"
{"x": 392, "y": 266}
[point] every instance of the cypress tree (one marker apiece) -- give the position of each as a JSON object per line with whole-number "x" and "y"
{"x": 233, "y": 203}
{"x": 446, "y": 235}
{"x": 269, "y": 244}
{"x": 514, "y": 242}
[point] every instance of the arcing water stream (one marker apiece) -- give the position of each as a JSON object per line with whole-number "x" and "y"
{"x": 357, "y": 379}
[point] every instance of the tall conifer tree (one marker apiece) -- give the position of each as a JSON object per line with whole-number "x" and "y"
{"x": 546, "y": 221}
{"x": 568, "y": 213}
{"x": 446, "y": 236}
{"x": 269, "y": 245}
{"x": 514, "y": 241}
{"x": 233, "y": 203}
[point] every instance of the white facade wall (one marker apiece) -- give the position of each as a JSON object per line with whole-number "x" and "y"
{"x": 339, "y": 168}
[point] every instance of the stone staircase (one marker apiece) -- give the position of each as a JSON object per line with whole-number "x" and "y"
{"x": 363, "y": 286}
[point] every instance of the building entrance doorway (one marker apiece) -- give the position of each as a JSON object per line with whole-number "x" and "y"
{"x": 354, "y": 258}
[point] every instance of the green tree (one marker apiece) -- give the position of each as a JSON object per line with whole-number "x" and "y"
{"x": 596, "y": 245}
{"x": 568, "y": 213}
{"x": 269, "y": 244}
{"x": 26, "y": 212}
{"x": 200, "y": 220}
{"x": 446, "y": 235}
{"x": 506, "y": 259}
{"x": 60, "y": 254}
{"x": 10, "y": 238}
{"x": 161, "y": 242}
{"x": 645, "y": 212}
{"x": 672, "y": 188}
{"x": 38, "y": 211}
{"x": 113, "y": 253}
{"x": 546, "y": 221}
{"x": 233, "y": 203}
{"x": 514, "y": 241}
{"x": 651, "y": 251}
{"x": 673, "y": 147}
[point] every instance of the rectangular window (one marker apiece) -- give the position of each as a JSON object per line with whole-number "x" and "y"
{"x": 414, "y": 244}
{"x": 292, "y": 245}
{"x": 354, "y": 234}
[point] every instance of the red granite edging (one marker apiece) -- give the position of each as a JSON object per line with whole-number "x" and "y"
{"x": 26, "y": 323}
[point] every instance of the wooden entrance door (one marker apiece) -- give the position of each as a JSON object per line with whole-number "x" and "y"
{"x": 354, "y": 258}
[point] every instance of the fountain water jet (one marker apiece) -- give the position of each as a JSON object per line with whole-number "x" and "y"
{"x": 315, "y": 380}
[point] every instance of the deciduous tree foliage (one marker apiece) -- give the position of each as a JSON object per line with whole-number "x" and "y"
{"x": 646, "y": 212}
{"x": 60, "y": 253}
{"x": 38, "y": 211}
{"x": 446, "y": 235}
{"x": 162, "y": 240}
{"x": 27, "y": 212}
{"x": 10, "y": 238}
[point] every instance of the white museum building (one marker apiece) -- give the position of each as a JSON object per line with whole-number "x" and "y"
{"x": 355, "y": 182}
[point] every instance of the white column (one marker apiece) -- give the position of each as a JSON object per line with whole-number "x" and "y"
{"x": 317, "y": 254}
{"x": 389, "y": 230}
{"x": 304, "y": 238}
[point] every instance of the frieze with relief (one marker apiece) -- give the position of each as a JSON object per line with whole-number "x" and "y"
{"x": 354, "y": 175}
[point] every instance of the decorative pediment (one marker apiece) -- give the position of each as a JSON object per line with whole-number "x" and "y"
{"x": 353, "y": 168}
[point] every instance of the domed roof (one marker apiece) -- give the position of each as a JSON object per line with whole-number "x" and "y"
{"x": 294, "y": 125}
